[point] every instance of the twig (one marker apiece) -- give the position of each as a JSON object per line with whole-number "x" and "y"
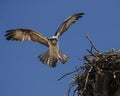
{"x": 90, "y": 52}
{"x": 92, "y": 44}
{"x": 71, "y": 73}
{"x": 67, "y": 74}
{"x": 70, "y": 87}
{"x": 87, "y": 77}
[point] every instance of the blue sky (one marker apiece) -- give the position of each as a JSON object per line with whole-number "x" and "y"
{"x": 22, "y": 74}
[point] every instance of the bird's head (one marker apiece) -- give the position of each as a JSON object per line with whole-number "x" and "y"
{"x": 53, "y": 40}
{"x": 54, "y": 37}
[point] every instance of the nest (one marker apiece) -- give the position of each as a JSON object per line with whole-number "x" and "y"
{"x": 101, "y": 75}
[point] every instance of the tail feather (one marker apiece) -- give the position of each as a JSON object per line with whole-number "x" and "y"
{"x": 44, "y": 57}
{"x": 47, "y": 59}
{"x": 51, "y": 60}
{"x": 63, "y": 58}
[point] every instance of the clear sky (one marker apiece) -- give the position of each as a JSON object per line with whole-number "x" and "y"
{"x": 21, "y": 73}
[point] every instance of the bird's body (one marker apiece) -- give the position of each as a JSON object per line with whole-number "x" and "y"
{"x": 53, "y": 54}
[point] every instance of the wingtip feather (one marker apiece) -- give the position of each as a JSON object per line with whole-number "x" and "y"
{"x": 79, "y": 14}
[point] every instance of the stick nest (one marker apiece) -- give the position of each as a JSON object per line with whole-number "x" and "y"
{"x": 100, "y": 75}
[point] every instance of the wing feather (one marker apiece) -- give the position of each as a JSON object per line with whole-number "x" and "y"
{"x": 26, "y": 34}
{"x": 67, "y": 23}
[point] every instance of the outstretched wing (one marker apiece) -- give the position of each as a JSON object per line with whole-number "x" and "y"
{"x": 26, "y": 34}
{"x": 67, "y": 23}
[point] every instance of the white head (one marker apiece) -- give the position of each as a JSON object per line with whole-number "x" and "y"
{"x": 54, "y": 37}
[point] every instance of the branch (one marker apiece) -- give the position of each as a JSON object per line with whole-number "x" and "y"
{"x": 71, "y": 72}
{"x": 92, "y": 44}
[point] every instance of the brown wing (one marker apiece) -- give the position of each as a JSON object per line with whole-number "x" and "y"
{"x": 26, "y": 34}
{"x": 67, "y": 23}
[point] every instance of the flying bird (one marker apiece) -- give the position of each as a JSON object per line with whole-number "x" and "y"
{"x": 53, "y": 54}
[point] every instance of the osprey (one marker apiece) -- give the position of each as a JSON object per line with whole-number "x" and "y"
{"x": 52, "y": 55}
